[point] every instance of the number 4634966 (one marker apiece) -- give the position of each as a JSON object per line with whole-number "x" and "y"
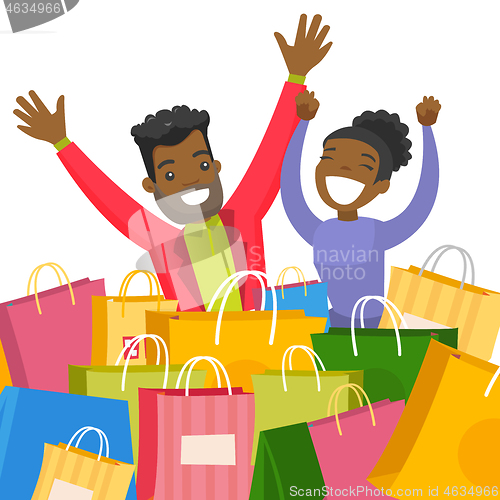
{"x": 478, "y": 491}
{"x": 40, "y": 8}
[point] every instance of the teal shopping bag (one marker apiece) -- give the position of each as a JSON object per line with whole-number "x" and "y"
{"x": 30, "y": 418}
{"x": 309, "y": 296}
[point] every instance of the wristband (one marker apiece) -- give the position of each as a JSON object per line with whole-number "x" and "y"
{"x": 62, "y": 144}
{"x": 297, "y": 79}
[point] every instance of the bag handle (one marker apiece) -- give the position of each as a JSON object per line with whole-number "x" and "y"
{"x": 129, "y": 277}
{"x": 357, "y": 389}
{"x": 40, "y": 266}
{"x": 384, "y": 302}
{"x": 126, "y": 283}
{"x": 192, "y": 362}
{"x": 232, "y": 280}
{"x": 132, "y": 346}
{"x": 310, "y": 353}
{"x": 229, "y": 280}
{"x": 447, "y": 248}
{"x": 84, "y": 431}
{"x": 299, "y": 275}
{"x": 492, "y": 383}
{"x": 35, "y": 272}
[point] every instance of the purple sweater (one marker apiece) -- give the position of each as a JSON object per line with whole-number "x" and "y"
{"x": 349, "y": 256}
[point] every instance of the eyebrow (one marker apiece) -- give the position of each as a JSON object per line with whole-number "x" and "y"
{"x": 166, "y": 162}
{"x": 330, "y": 149}
{"x": 369, "y": 156}
{"x": 201, "y": 152}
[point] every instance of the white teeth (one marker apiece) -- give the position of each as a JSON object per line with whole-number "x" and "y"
{"x": 342, "y": 190}
{"x": 196, "y": 197}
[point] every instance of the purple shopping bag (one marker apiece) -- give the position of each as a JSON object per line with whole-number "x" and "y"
{"x": 348, "y": 445}
{"x": 45, "y": 332}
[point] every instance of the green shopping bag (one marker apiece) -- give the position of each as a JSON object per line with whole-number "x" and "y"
{"x": 123, "y": 382}
{"x": 285, "y": 397}
{"x": 390, "y": 358}
{"x": 287, "y": 465}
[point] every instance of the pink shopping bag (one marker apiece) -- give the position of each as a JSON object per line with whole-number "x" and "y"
{"x": 45, "y": 332}
{"x": 204, "y": 442}
{"x": 348, "y": 445}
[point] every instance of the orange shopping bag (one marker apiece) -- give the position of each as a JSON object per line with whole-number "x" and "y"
{"x": 246, "y": 342}
{"x": 117, "y": 320}
{"x": 450, "y": 303}
{"x": 446, "y": 442}
{"x": 69, "y": 473}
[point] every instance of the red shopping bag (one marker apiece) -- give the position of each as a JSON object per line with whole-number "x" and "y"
{"x": 45, "y": 332}
{"x": 348, "y": 445}
{"x": 204, "y": 441}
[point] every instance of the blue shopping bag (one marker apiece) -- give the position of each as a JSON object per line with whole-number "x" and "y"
{"x": 29, "y": 418}
{"x": 310, "y": 296}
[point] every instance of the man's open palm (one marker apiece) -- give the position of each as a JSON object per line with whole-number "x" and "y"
{"x": 307, "y": 52}
{"x": 42, "y": 124}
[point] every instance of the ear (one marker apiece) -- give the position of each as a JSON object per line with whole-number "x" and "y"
{"x": 383, "y": 186}
{"x": 148, "y": 185}
{"x": 217, "y": 165}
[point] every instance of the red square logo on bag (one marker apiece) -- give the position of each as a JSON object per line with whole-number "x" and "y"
{"x": 127, "y": 342}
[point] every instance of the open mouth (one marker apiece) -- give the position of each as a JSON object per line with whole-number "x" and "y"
{"x": 342, "y": 190}
{"x": 196, "y": 197}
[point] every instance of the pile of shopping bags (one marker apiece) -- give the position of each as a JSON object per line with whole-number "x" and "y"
{"x": 125, "y": 397}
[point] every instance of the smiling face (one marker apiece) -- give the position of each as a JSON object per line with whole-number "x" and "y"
{"x": 188, "y": 187}
{"x": 345, "y": 176}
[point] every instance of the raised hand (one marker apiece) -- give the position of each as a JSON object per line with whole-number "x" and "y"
{"x": 42, "y": 124}
{"x": 427, "y": 111}
{"x": 307, "y": 52}
{"x": 307, "y": 105}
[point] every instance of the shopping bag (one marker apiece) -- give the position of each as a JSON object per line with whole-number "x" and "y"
{"x": 286, "y": 465}
{"x": 69, "y": 473}
{"x": 117, "y": 320}
{"x": 311, "y": 296}
{"x": 456, "y": 304}
{"x": 348, "y": 445}
{"x": 390, "y": 358}
{"x": 122, "y": 382}
{"x": 285, "y": 397}
{"x": 446, "y": 442}
{"x": 204, "y": 441}
{"x": 328, "y": 457}
{"x": 148, "y": 436}
{"x": 31, "y": 418}
{"x": 43, "y": 333}
{"x": 247, "y": 342}
{"x": 4, "y": 370}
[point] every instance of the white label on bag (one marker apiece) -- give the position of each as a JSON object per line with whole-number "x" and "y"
{"x": 417, "y": 323}
{"x": 61, "y": 490}
{"x": 214, "y": 449}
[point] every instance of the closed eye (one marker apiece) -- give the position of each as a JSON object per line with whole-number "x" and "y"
{"x": 326, "y": 158}
{"x": 367, "y": 166}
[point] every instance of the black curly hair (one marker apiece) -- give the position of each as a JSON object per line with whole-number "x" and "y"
{"x": 385, "y": 133}
{"x": 168, "y": 128}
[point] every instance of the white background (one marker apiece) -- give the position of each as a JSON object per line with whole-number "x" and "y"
{"x": 117, "y": 61}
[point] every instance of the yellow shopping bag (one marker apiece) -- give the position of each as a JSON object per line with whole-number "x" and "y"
{"x": 246, "y": 342}
{"x": 70, "y": 473}
{"x": 427, "y": 295}
{"x": 4, "y": 370}
{"x": 446, "y": 442}
{"x": 117, "y": 320}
